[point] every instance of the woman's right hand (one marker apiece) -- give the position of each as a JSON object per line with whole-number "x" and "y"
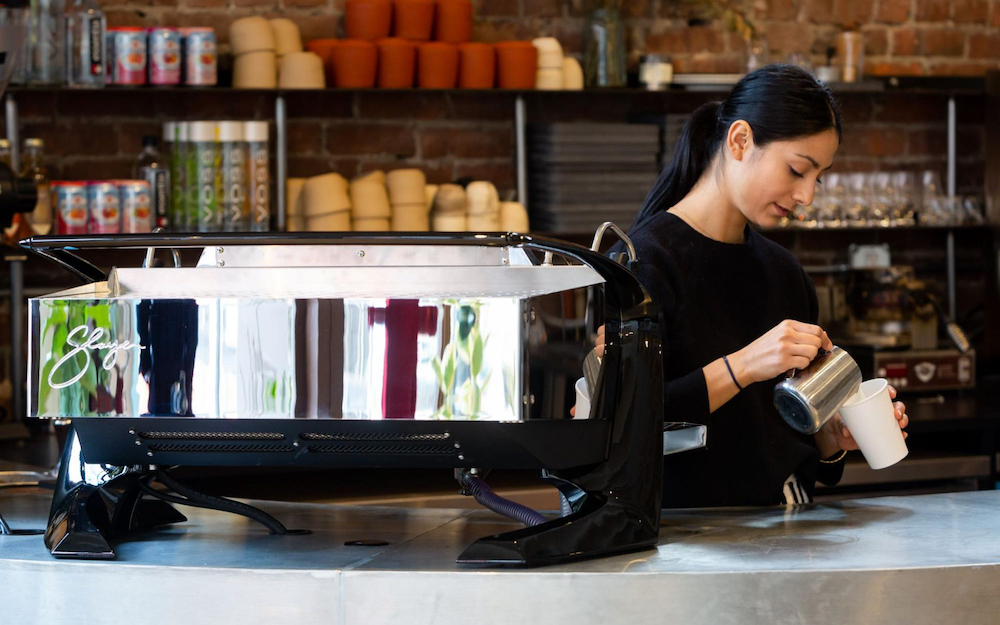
{"x": 788, "y": 345}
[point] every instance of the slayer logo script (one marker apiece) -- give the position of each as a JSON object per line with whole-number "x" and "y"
{"x": 80, "y": 342}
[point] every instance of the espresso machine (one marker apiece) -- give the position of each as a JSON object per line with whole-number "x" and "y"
{"x": 895, "y": 328}
{"x": 351, "y": 350}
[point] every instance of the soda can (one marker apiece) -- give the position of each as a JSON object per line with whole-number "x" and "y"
{"x": 136, "y": 206}
{"x": 69, "y": 201}
{"x": 105, "y": 207}
{"x": 128, "y": 55}
{"x": 164, "y": 56}
{"x": 200, "y": 66}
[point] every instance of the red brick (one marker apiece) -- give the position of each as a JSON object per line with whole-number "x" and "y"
{"x": 219, "y": 21}
{"x": 498, "y": 105}
{"x": 970, "y": 141}
{"x": 636, "y": 9}
{"x": 984, "y": 46}
{"x": 253, "y": 3}
{"x": 486, "y": 8}
{"x": 893, "y": 68}
{"x": 876, "y": 41}
{"x": 305, "y": 3}
{"x": 861, "y": 141}
{"x": 854, "y": 13}
{"x": 90, "y": 168}
{"x": 364, "y": 138}
{"x": 694, "y": 39}
{"x": 543, "y": 8}
{"x": 856, "y": 108}
{"x": 710, "y": 64}
{"x": 942, "y": 42}
{"x": 970, "y": 11}
{"x": 911, "y": 108}
{"x": 962, "y": 68}
{"x": 110, "y": 102}
{"x": 36, "y": 104}
{"x": 501, "y": 174}
{"x": 782, "y": 9}
{"x": 464, "y": 142}
{"x": 932, "y": 10}
{"x": 324, "y": 104}
{"x": 129, "y": 17}
{"x": 493, "y": 31}
{"x": 305, "y": 166}
{"x": 407, "y": 105}
{"x": 904, "y": 42}
{"x": 305, "y": 137}
{"x": 570, "y": 33}
{"x": 203, "y": 4}
{"x": 323, "y": 26}
{"x": 893, "y": 11}
{"x": 995, "y": 17}
{"x": 927, "y": 141}
{"x": 440, "y": 172}
{"x": 785, "y": 37}
{"x": 821, "y": 12}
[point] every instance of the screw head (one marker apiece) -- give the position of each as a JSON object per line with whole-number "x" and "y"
{"x": 361, "y": 253}
{"x": 149, "y": 453}
{"x": 138, "y": 442}
{"x": 461, "y": 457}
{"x": 221, "y": 263}
{"x": 220, "y": 249}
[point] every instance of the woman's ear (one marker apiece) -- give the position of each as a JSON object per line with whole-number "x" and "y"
{"x": 739, "y": 139}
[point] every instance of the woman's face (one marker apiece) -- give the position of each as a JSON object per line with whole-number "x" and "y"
{"x": 769, "y": 183}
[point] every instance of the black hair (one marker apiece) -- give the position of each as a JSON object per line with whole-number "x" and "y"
{"x": 780, "y": 102}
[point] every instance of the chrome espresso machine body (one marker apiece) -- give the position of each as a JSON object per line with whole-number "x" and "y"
{"x": 348, "y": 350}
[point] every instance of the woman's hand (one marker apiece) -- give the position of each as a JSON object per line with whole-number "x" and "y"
{"x": 788, "y": 345}
{"x": 835, "y": 436}
{"x": 599, "y": 349}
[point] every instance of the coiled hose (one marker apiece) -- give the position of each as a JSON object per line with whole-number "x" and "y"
{"x": 505, "y": 507}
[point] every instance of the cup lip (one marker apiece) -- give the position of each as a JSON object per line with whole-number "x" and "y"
{"x": 881, "y": 384}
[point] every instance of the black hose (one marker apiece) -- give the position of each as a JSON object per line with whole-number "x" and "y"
{"x": 505, "y": 507}
{"x": 191, "y": 497}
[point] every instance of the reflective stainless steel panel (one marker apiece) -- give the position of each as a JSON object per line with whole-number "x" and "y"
{"x": 357, "y": 358}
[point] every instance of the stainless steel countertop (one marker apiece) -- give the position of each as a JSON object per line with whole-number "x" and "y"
{"x": 918, "y": 559}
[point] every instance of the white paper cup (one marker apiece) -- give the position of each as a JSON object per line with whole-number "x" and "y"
{"x": 871, "y": 418}
{"x": 582, "y": 400}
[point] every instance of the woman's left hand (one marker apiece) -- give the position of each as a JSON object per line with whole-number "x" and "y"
{"x": 837, "y": 429}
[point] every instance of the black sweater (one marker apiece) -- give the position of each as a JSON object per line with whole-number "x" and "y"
{"x": 717, "y": 298}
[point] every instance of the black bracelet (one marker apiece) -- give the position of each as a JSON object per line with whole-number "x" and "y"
{"x": 731, "y": 374}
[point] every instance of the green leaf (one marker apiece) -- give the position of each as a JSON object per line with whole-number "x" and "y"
{"x": 477, "y": 355}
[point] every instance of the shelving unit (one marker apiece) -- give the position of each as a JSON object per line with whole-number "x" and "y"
{"x": 520, "y": 101}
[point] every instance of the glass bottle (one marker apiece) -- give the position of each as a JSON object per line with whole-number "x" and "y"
{"x": 235, "y": 177}
{"x": 604, "y": 59}
{"x": 151, "y": 167}
{"x": 46, "y": 62}
{"x": 86, "y": 47}
{"x": 204, "y": 145}
{"x": 256, "y": 135}
{"x": 33, "y": 167}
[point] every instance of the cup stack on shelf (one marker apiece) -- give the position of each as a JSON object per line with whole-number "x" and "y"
{"x": 483, "y": 205}
{"x": 450, "y": 210}
{"x": 408, "y": 197}
{"x": 370, "y": 207}
{"x": 254, "y": 51}
{"x": 326, "y": 204}
{"x": 296, "y": 69}
{"x": 428, "y": 43}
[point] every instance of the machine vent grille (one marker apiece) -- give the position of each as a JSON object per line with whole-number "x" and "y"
{"x": 213, "y": 436}
{"x": 209, "y": 447}
{"x": 400, "y": 449}
{"x": 379, "y": 437}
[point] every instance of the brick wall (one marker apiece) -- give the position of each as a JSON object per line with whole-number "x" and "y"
{"x": 903, "y": 37}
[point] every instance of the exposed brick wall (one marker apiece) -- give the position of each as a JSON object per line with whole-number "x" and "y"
{"x": 902, "y": 37}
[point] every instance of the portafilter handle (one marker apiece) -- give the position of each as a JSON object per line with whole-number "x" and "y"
{"x": 809, "y": 398}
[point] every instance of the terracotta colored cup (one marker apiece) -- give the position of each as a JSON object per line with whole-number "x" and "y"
{"x": 413, "y": 19}
{"x": 397, "y": 61}
{"x": 517, "y": 64}
{"x": 437, "y": 65}
{"x": 324, "y": 48}
{"x": 476, "y": 66}
{"x": 454, "y": 21}
{"x": 367, "y": 19}
{"x": 354, "y": 64}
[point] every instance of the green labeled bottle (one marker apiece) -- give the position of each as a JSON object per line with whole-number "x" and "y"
{"x": 208, "y": 176}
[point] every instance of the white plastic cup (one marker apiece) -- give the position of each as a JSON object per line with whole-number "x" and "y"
{"x": 582, "y": 400}
{"x": 871, "y": 418}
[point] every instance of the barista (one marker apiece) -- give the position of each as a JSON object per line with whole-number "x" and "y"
{"x": 739, "y": 310}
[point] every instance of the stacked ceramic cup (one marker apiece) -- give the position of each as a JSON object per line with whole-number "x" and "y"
{"x": 407, "y": 195}
{"x": 295, "y": 220}
{"x": 254, "y": 52}
{"x": 449, "y": 211}
{"x": 326, "y": 206}
{"x": 513, "y": 217}
{"x": 483, "y": 204}
{"x": 371, "y": 210}
{"x": 550, "y": 64}
{"x": 296, "y": 69}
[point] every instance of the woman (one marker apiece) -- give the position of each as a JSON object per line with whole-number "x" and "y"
{"x": 739, "y": 310}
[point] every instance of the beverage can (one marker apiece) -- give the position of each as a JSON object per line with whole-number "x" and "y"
{"x": 164, "y": 56}
{"x": 200, "y": 67}
{"x": 129, "y": 56}
{"x": 69, "y": 201}
{"x": 105, "y": 207}
{"x": 136, "y": 206}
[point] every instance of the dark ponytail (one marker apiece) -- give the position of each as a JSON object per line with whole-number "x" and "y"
{"x": 780, "y": 102}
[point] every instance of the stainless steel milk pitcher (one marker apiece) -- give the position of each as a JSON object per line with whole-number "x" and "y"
{"x": 809, "y": 398}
